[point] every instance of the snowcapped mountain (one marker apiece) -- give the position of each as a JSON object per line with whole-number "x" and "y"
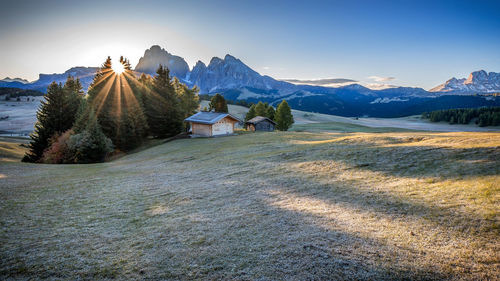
{"x": 477, "y": 82}
{"x": 155, "y": 56}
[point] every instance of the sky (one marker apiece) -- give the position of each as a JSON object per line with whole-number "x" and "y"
{"x": 407, "y": 43}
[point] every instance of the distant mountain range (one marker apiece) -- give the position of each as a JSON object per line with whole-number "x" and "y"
{"x": 478, "y": 82}
{"x": 20, "y": 80}
{"x": 85, "y": 74}
{"x": 236, "y": 81}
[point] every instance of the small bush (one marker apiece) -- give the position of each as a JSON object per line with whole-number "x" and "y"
{"x": 90, "y": 148}
{"x": 59, "y": 151}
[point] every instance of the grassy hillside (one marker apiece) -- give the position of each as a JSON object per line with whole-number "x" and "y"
{"x": 12, "y": 149}
{"x": 303, "y": 119}
{"x": 281, "y": 205}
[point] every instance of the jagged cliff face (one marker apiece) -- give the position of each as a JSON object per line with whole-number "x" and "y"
{"x": 230, "y": 73}
{"x": 477, "y": 82}
{"x": 155, "y": 56}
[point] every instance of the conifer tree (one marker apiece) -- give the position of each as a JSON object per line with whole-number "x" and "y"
{"x": 82, "y": 117}
{"x": 260, "y": 109}
{"x": 189, "y": 100}
{"x": 251, "y": 113}
{"x": 133, "y": 103}
{"x": 56, "y": 115}
{"x": 283, "y": 116}
{"x": 129, "y": 137}
{"x": 74, "y": 96}
{"x": 270, "y": 112}
{"x": 218, "y": 104}
{"x": 117, "y": 103}
{"x": 101, "y": 97}
{"x": 126, "y": 63}
{"x": 162, "y": 106}
{"x": 145, "y": 80}
{"x": 90, "y": 145}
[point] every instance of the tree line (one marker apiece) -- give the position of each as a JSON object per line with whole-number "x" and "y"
{"x": 244, "y": 103}
{"x": 11, "y": 93}
{"x": 282, "y": 115}
{"x": 484, "y": 116}
{"x": 118, "y": 113}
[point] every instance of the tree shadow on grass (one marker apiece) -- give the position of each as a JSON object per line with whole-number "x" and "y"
{"x": 452, "y": 225}
{"x": 415, "y": 161}
{"x": 244, "y": 235}
{"x": 391, "y": 164}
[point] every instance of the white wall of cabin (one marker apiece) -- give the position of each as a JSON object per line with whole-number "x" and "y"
{"x": 223, "y": 127}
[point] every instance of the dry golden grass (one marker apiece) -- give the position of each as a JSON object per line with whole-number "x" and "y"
{"x": 292, "y": 205}
{"x": 11, "y": 149}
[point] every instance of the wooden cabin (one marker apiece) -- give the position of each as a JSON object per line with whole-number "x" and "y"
{"x": 260, "y": 123}
{"x": 208, "y": 124}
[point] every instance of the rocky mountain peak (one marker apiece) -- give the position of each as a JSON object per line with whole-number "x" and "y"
{"x": 478, "y": 82}
{"x": 156, "y": 56}
{"x": 228, "y": 57}
{"x": 199, "y": 64}
{"x": 477, "y": 77}
{"x": 156, "y": 48}
{"x": 215, "y": 60}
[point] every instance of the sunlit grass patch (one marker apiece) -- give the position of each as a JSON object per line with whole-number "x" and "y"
{"x": 341, "y": 127}
{"x": 12, "y": 149}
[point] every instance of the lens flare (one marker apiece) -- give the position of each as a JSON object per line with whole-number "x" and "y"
{"x": 118, "y": 68}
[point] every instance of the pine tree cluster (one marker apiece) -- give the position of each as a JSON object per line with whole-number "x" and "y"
{"x": 56, "y": 115}
{"x": 484, "y": 116}
{"x": 118, "y": 114}
{"x": 282, "y": 115}
{"x": 218, "y": 104}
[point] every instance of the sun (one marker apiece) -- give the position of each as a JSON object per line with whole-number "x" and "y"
{"x": 118, "y": 68}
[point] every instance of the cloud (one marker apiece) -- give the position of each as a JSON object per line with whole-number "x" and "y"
{"x": 266, "y": 67}
{"x": 322, "y": 82}
{"x": 381, "y": 79}
{"x": 379, "y": 86}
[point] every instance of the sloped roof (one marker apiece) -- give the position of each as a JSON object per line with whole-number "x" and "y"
{"x": 259, "y": 119}
{"x": 209, "y": 118}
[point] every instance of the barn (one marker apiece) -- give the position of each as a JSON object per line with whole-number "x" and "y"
{"x": 260, "y": 123}
{"x": 208, "y": 124}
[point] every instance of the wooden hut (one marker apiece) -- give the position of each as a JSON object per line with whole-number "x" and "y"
{"x": 208, "y": 124}
{"x": 260, "y": 123}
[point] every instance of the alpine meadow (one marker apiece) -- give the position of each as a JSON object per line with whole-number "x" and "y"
{"x": 250, "y": 140}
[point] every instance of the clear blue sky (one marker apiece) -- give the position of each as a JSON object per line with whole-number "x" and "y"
{"x": 419, "y": 43}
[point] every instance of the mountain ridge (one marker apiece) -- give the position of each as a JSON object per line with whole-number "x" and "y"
{"x": 85, "y": 74}
{"x": 237, "y": 81}
{"x": 477, "y": 82}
